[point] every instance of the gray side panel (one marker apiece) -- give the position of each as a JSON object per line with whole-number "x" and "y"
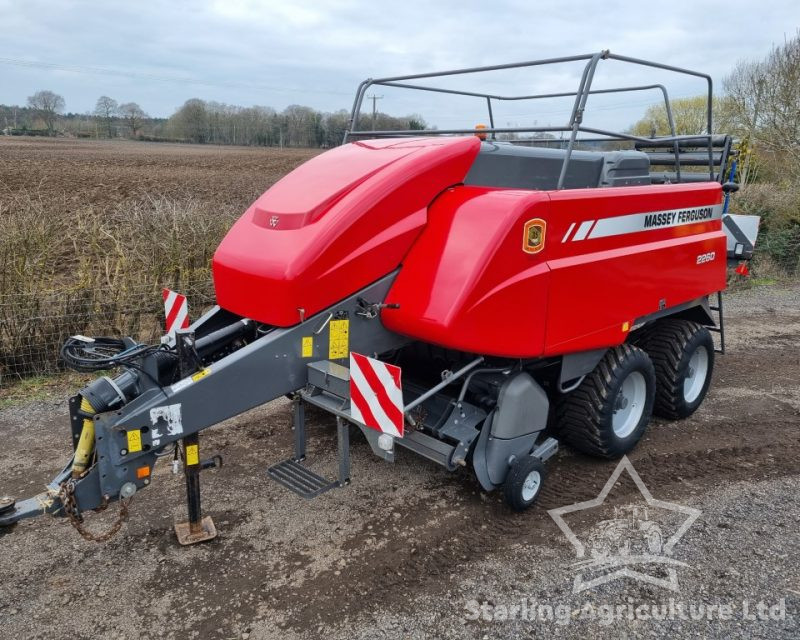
{"x": 506, "y": 165}
{"x": 624, "y": 168}
{"x": 499, "y": 452}
{"x": 698, "y": 310}
{"x": 575, "y": 365}
{"x": 512, "y": 430}
{"x": 479, "y": 456}
{"x": 522, "y": 408}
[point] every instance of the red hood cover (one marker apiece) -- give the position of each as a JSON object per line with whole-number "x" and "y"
{"x": 334, "y": 225}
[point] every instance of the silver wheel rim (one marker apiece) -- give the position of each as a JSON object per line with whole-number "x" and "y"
{"x": 629, "y": 404}
{"x": 531, "y": 485}
{"x": 696, "y": 374}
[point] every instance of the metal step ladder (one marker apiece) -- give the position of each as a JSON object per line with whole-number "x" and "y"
{"x": 720, "y": 328}
{"x": 329, "y": 389}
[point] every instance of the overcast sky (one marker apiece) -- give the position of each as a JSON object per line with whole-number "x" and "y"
{"x": 246, "y": 52}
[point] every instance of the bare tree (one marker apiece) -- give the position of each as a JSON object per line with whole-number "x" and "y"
{"x": 765, "y": 96}
{"x": 106, "y": 109}
{"x": 47, "y": 105}
{"x": 133, "y": 115}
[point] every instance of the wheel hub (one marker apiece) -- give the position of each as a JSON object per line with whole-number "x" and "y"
{"x": 531, "y": 485}
{"x": 629, "y": 405}
{"x": 696, "y": 374}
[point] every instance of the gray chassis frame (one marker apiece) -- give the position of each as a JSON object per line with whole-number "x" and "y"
{"x": 259, "y": 372}
{"x": 272, "y": 366}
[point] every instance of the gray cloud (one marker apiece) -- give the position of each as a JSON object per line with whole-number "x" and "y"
{"x": 279, "y": 53}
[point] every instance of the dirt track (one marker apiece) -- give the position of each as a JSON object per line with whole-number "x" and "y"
{"x": 405, "y": 548}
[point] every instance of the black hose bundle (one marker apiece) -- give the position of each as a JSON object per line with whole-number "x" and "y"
{"x": 95, "y": 354}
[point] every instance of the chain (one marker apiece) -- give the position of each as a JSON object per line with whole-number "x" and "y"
{"x": 67, "y": 497}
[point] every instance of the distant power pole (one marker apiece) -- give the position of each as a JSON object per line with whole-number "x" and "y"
{"x": 374, "y": 99}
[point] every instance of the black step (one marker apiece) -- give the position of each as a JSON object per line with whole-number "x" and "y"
{"x": 304, "y": 482}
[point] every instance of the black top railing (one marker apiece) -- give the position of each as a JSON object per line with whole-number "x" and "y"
{"x": 575, "y": 123}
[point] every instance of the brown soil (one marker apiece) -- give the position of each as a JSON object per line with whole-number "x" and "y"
{"x": 103, "y": 173}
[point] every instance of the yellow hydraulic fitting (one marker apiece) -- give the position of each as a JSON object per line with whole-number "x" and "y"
{"x": 85, "y": 448}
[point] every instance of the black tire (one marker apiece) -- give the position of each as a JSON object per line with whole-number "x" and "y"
{"x": 517, "y": 495}
{"x": 586, "y": 416}
{"x": 671, "y": 344}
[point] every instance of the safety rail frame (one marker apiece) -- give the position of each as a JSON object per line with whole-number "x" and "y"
{"x": 575, "y": 122}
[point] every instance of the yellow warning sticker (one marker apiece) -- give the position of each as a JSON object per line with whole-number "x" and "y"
{"x": 308, "y": 347}
{"x": 339, "y": 345}
{"x": 192, "y": 454}
{"x": 134, "y": 440}
{"x": 201, "y": 374}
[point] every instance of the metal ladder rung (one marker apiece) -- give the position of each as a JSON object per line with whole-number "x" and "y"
{"x": 298, "y": 478}
{"x": 301, "y": 480}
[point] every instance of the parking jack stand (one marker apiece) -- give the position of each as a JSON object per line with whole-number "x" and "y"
{"x": 197, "y": 528}
{"x": 343, "y": 441}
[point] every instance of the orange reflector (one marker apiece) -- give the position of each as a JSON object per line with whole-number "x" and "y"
{"x": 142, "y": 472}
{"x": 626, "y": 326}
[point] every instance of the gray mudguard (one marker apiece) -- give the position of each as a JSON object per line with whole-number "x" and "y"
{"x": 511, "y": 430}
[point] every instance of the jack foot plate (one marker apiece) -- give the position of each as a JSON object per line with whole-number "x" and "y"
{"x": 186, "y": 536}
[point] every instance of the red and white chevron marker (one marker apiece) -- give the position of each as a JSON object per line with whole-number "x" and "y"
{"x": 176, "y": 310}
{"x": 376, "y": 395}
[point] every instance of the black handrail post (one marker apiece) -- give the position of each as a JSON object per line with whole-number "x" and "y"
{"x": 577, "y": 112}
{"x": 491, "y": 116}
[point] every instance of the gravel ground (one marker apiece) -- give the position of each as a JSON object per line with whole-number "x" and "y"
{"x": 410, "y": 551}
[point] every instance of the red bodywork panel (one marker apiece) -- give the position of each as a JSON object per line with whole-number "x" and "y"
{"x": 354, "y": 214}
{"x": 467, "y": 283}
{"x": 332, "y": 226}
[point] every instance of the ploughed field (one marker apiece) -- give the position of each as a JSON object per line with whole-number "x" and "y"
{"x": 104, "y": 172}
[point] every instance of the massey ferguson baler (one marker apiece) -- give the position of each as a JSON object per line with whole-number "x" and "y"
{"x": 471, "y": 300}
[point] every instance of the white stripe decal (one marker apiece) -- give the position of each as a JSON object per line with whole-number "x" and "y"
{"x": 635, "y": 222}
{"x": 183, "y": 314}
{"x": 384, "y": 423}
{"x": 583, "y": 230}
{"x": 389, "y": 385}
{"x": 566, "y": 235}
{"x": 170, "y": 301}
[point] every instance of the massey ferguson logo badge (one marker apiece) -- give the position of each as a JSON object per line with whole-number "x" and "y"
{"x": 273, "y": 221}
{"x": 533, "y": 238}
{"x": 670, "y": 218}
